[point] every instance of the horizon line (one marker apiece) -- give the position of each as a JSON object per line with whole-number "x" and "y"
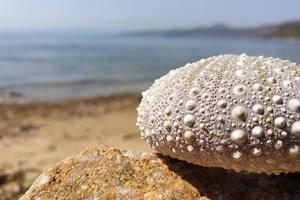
{"x": 99, "y": 31}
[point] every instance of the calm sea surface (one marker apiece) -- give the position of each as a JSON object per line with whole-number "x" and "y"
{"x": 56, "y": 66}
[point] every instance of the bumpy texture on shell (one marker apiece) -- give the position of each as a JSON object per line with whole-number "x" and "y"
{"x": 229, "y": 111}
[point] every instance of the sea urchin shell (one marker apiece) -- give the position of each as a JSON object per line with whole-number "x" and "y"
{"x": 229, "y": 111}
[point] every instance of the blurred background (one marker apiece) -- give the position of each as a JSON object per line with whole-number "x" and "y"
{"x": 63, "y": 49}
{"x": 71, "y": 72}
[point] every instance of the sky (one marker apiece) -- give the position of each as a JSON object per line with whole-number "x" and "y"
{"x": 128, "y": 15}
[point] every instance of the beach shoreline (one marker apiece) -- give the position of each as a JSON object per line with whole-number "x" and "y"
{"x": 36, "y": 135}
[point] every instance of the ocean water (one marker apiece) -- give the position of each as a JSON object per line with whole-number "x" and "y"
{"x": 59, "y": 66}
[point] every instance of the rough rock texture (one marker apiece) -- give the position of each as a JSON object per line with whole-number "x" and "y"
{"x": 107, "y": 173}
{"x": 242, "y": 111}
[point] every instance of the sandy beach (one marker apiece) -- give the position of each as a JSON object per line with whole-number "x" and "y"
{"x": 36, "y": 135}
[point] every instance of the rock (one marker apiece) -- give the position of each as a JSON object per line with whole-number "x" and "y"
{"x": 15, "y": 94}
{"x": 107, "y": 173}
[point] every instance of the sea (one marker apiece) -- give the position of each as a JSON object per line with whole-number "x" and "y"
{"x": 56, "y": 66}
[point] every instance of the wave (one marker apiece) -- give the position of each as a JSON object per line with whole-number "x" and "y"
{"x": 80, "y": 82}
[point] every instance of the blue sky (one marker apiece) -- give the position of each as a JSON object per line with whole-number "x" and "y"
{"x": 112, "y": 15}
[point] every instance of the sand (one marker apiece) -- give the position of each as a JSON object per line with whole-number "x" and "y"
{"x": 35, "y": 136}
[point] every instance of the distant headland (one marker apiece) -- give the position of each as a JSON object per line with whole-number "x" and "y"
{"x": 287, "y": 30}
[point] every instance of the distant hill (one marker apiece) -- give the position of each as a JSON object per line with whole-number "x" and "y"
{"x": 287, "y": 30}
{"x": 284, "y": 30}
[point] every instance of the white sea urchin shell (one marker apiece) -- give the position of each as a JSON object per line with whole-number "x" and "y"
{"x": 234, "y": 112}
